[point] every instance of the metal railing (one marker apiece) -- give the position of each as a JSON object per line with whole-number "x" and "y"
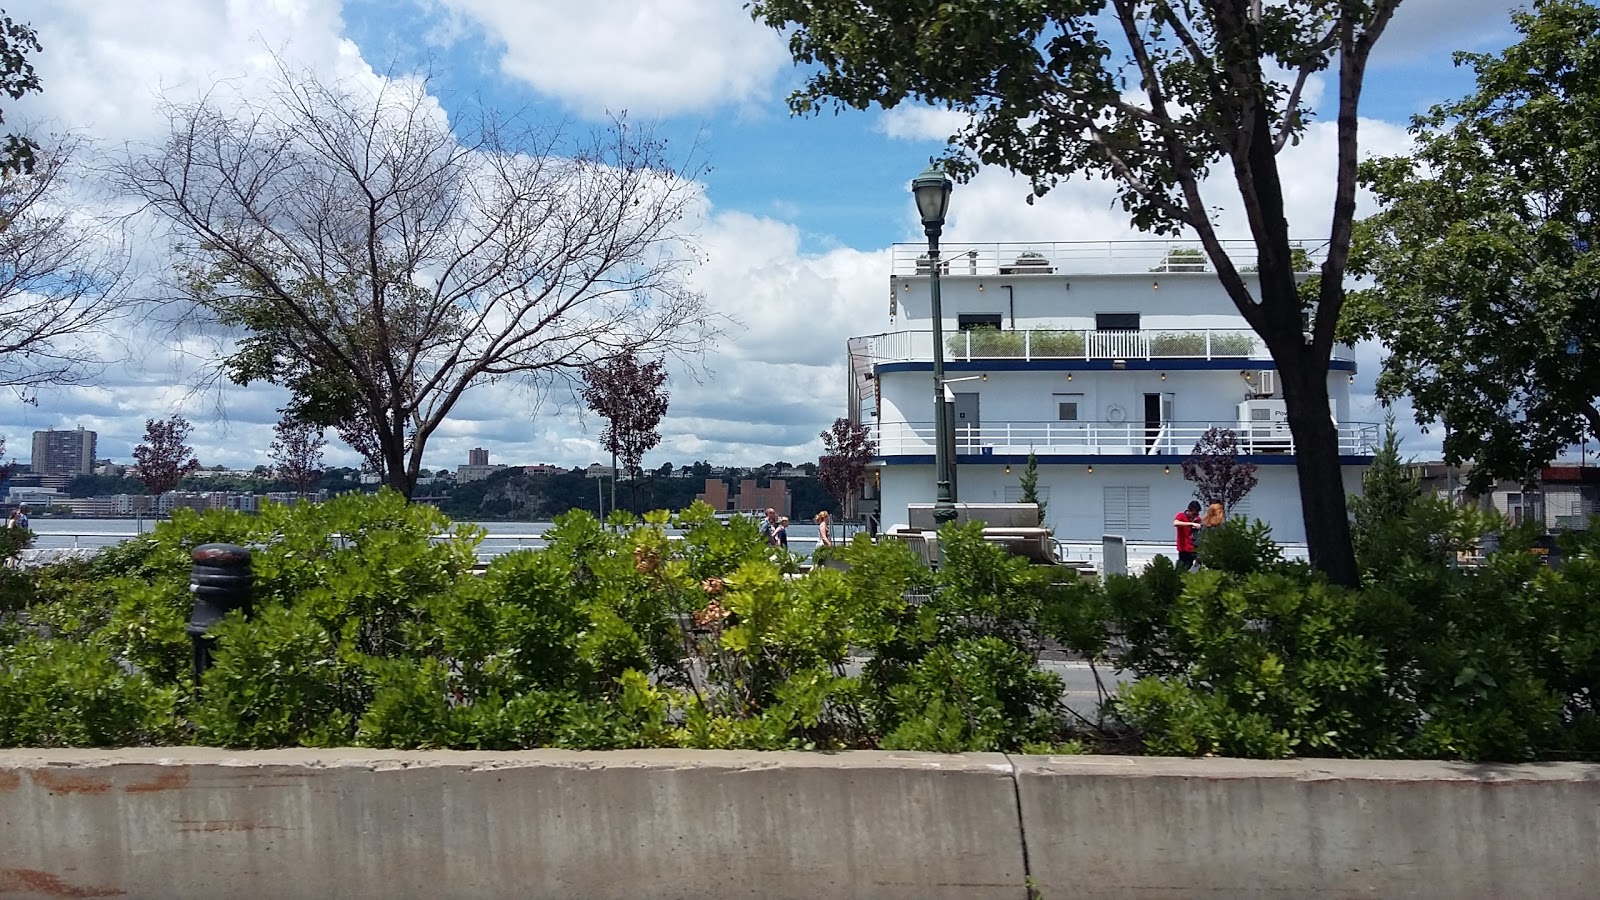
{"x": 1053, "y": 343}
{"x": 1106, "y": 438}
{"x": 1084, "y": 257}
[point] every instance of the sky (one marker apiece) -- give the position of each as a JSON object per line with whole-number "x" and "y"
{"x": 796, "y": 214}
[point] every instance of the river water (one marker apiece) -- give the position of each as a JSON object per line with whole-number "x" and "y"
{"x": 500, "y": 537}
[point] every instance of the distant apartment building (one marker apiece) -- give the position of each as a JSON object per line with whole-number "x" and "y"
{"x": 1560, "y": 498}
{"x": 65, "y": 453}
{"x": 749, "y": 498}
{"x": 477, "y": 467}
{"x": 542, "y": 469}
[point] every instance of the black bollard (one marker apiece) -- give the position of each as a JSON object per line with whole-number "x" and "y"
{"x": 220, "y": 582}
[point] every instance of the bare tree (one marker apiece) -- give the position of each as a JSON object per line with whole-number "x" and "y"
{"x": 164, "y": 459}
{"x": 61, "y": 280}
{"x": 630, "y": 396}
{"x": 380, "y": 261}
{"x": 296, "y": 452}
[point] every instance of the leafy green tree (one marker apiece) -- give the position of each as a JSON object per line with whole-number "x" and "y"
{"x": 1048, "y": 93}
{"x": 1029, "y": 482}
{"x": 1484, "y": 257}
{"x": 17, "y": 78}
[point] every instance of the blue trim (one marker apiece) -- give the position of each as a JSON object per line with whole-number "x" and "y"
{"x": 1097, "y": 365}
{"x": 1163, "y": 459}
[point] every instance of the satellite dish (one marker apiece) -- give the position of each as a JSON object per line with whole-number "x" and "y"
{"x": 1115, "y": 413}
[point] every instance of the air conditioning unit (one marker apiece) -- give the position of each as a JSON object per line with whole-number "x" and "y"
{"x": 1266, "y": 382}
{"x": 1264, "y": 426}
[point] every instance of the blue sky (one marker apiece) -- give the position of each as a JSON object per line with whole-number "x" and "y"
{"x": 799, "y": 213}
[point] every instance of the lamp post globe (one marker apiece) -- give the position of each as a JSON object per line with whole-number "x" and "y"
{"x": 932, "y": 192}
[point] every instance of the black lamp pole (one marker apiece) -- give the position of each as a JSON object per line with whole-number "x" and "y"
{"x": 932, "y": 192}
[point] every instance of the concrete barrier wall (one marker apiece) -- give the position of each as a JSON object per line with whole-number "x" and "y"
{"x": 185, "y": 822}
{"x": 1120, "y": 828}
{"x": 188, "y": 822}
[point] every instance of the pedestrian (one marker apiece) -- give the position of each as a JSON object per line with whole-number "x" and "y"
{"x": 824, "y": 531}
{"x": 1187, "y": 522}
{"x": 769, "y": 527}
{"x": 19, "y": 519}
{"x": 780, "y": 535}
{"x": 1214, "y": 517}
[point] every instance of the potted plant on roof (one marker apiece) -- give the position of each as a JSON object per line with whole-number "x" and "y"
{"x": 1028, "y": 263}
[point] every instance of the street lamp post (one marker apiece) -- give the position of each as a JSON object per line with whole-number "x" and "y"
{"x": 932, "y": 192}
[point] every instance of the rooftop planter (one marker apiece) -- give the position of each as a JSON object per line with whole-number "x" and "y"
{"x": 1029, "y": 263}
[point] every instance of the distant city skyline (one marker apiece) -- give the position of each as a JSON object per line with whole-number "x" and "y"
{"x": 793, "y": 226}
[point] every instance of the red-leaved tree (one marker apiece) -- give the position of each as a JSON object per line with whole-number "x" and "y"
{"x": 842, "y": 469}
{"x": 164, "y": 459}
{"x": 296, "y": 452}
{"x": 1214, "y": 467}
{"x": 630, "y": 396}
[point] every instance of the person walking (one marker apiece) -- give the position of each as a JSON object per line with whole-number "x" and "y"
{"x": 769, "y": 527}
{"x": 780, "y": 535}
{"x": 1188, "y": 523}
{"x": 824, "y": 529}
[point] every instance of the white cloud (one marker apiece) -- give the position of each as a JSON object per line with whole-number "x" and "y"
{"x": 1422, "y": 29}
{"x": 920, "y": 123}
{"x": 654, "y": 57}
{"x": 106, "y": 65}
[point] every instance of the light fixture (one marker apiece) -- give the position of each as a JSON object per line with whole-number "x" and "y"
{"x": 1166, "y": 470}
{"x": 1155, "y": 285}
{"x": 1163, "y": 376}
{"x": 986, "y": 376}
{"x": 1069, "y": 376}
{"x": 931, "y": 190}
{"x": 1091, "y": 470}
{"x": 1352, "y": 379}
{"x": 980, "y": 287}
{"x": 1008, "y": 470}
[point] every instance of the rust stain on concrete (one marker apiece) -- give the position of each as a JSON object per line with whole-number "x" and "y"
{"x": 223, "y": 825}
{"x": 168, "y": 780}
{"x": 68, "y": 782}
{"x": 9, "y": 780}
{"x": 33, "y": 881}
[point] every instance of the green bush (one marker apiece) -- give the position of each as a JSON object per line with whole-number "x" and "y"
{"x": 369, "y": 627}
{"x": 985, "y": 342}
{"x": 1056, "y": 344}
{"x": 58, "y": 693}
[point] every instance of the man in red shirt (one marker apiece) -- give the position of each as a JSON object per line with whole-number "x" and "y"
{"x": 1187, "y": 523}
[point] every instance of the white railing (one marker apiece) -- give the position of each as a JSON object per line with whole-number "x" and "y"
{"x": 1054, "y": 343}
{"x": 1083, "y": 258}
{"x": 1105, "y": 438}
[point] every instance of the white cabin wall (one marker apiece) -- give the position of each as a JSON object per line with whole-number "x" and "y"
{"x": 1187, "y": 300}
{"x": 1076, "y": 497}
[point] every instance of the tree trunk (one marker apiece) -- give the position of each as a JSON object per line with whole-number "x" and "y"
{"x": 394, "y": 465}
{"x": 1316, "y": 455}
{"x": 613, "y": 481}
